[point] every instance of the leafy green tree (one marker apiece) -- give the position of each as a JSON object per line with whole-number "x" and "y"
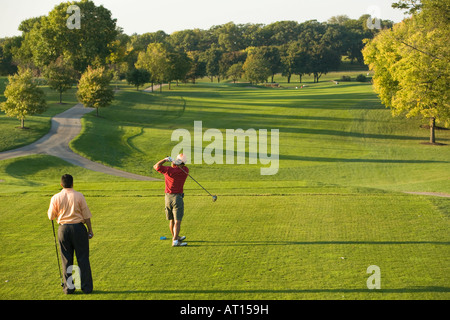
{"x": 324, "y": 54}
{"x": 49, "y": 37}
{"x": 8, "y": 49}
{"x": 339, "y": 19}
{"x": 138, "y": 77}
{"x": 272, "y": 55}
{"x": 94, "y": 90}
{"x": 281, "y": 32}
{"x": 198, "y": 66}
{"x": 141, "y": 42}
{"x": 411, "y": 64}
{"x": 186, "y": 40}
{"x": 60, "y": 76}
{"x": 228, "y": 59}
{"x": 23, "y": 97}
{"x": 230, "y": 37}
{"x": 254, "y": 35}
{"x": 353, "y": 40}
{"x": 411, "y": 6}
{"x": 212, "y": 58}
{"x": 180, "y": 66}
{"x": 256, "y": 69}
{"x": 235, "y": 71}
{"x": 324, "y": 60}
{"x": 295, "y": 59}
{"x": 287, "y": 57}
{"x": 155, "y": 60}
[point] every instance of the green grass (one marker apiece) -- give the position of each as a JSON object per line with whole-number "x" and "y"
{"x": 309, "y": 232}
{"x": 332, "y": 134}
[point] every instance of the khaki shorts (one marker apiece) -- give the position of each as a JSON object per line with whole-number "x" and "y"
{"x": 174, "y": 206}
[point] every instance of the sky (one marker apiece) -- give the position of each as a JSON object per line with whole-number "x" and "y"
{"x": 141, "y": 16}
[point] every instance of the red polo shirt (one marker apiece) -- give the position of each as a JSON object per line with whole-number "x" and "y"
{"x": 175, "y": 178}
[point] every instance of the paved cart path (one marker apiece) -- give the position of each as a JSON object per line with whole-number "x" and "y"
{"x": 65, "y": 127}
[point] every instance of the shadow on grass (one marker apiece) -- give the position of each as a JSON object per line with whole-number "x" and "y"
{"x": 24, "y": 167}
{"x": 197, "y": 243}
{"x": 247, "y": 291}
{"x": 328, "y": 159}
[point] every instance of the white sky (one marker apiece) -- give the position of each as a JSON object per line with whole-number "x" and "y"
{"x": 140, "y": 16}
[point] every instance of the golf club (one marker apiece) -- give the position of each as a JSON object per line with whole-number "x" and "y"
{"x": 214, "y": 197}
{"x": 57, "y": 256}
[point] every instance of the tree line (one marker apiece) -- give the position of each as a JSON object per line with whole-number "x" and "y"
{"x": 410, "y": 59}
{"x": 254, "y": 51}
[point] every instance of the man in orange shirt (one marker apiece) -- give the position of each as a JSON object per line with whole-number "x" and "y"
{"x": 70, "y": 209}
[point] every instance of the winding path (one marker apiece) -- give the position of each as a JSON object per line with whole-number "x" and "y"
{"x": 65, "y": 127}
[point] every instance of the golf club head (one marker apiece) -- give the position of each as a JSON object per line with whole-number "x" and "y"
{"x": 214, "y": 198}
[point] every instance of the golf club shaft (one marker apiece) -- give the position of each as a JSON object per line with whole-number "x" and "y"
{"x": 57, "y": 256}
{"x": 195, "y": 181}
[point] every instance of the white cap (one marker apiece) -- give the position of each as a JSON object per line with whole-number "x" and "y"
{"x": 181, "y": 159}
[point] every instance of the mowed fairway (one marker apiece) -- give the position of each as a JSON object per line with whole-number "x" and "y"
{"x": 335, "y": 207}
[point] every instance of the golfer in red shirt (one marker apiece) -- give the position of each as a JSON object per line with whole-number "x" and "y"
{"x": 175, "y": 179}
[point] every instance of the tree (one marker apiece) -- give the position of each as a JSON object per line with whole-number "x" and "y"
{"x": 254, "y": 35}
{"x": 412, "y": 68}
{"x": 411, "y": 6}
{"x": 256, "y": 69}
{"x": 281, "y": 32}
{"x": 8, "y": 48}
{"x": 339, "y": 19}
{"x": 23, "y": 97}
{"x": 141, "y": 42}
{"x": 138, "y": 77}
{"x": 180, "y": 66}
{"x": 94, "y": 90}
{"x": 287, "y": 57}
{"x": 323, "y": 59}
{"x": 228, "y": 59}
{"x": 353, "y": 40}
{"x": 155, "y": 60}
{"x": 235, "y": 71}
{"x": 272, "y": 55}
{"x": 295, "y": 59}
{"x": 48, "y": 37}
{"x": 187, "y": 40}
{"x": 198, "y": 66}
{"x": 230, "y": 37}
{"x": 60, "y": 76}
{"x": 319, "y": 47}
{"x": 212, "y": 58}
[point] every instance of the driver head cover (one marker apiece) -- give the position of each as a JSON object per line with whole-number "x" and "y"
{"x": 181, "y": 159}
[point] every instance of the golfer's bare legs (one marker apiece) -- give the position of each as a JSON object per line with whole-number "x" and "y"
{"x": 176, "y": 229}
{"x": 171, "y": 225}
{"x": 175, "y": 226}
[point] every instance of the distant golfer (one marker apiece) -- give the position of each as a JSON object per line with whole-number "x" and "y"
{"x": 70, "y": 209}
{"x": 175, "y": 179}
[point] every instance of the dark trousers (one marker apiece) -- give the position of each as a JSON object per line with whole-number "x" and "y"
{"x": 74, "y": 238}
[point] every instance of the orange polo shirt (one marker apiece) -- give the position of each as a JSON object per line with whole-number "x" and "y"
{"x": 69, "y": 207}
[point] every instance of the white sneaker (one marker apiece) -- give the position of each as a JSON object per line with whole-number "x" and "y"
{"x": 178, "y": 243}
{"x": 181, "y": 238}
